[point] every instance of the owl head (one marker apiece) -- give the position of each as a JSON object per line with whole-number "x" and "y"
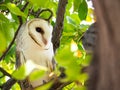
{"x": 40, "y": 31}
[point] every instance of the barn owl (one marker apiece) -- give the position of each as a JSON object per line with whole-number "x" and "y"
{"x": 33, "y": 43}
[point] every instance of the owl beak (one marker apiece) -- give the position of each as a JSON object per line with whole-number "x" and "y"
{"x": 44, "y": 41}
{"x": 47, "y": 46}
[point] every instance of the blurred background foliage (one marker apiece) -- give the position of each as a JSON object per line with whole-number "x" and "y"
{"x": 70, "y": 55}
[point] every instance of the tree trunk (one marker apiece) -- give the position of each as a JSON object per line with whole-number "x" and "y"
{"x": 105, "y": 67}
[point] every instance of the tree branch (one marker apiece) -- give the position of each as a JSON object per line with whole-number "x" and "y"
{"x": 59, "y": 85}
{"x": 57, "y": 31}
{"x": 9, "y": 84}
{"x": 4, "y": 72}
{"x": 39, "y": 11}
{"x": 24, "y": 7}
{"x": 44, "y": 11}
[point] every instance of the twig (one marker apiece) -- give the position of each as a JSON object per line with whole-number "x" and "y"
{"x": 63, "y": 85}
{"x": 2, "y": 1}
{"x": 57, "y": 31}
{"x": 2, "y": 76}
{"x": 41, "y": 11}
{"x": 24, "y": 7}
{"x": 59, "y": 85}
{"x": 9, "y": 84}
{"x": 20, "y": 20}
{"x": 4, "y": 72}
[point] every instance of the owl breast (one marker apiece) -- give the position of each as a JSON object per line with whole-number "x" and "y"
{"x": 42, "y": 58}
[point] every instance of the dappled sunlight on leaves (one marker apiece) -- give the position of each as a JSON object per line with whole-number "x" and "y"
{"x": 66, "y": 59}
{"x": 23, "y": 71}
{"x": 44, "y": 87}
{"x": 74, "y": 46}
{"x": 70, "y": 55}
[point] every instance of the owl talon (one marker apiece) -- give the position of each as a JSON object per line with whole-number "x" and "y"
{"x": 26, "y": 84}
{"x": 44, "y": 82}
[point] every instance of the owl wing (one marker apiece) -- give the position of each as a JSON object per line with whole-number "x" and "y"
{"x": 53, "y": 63}
{"x": 20, "y": 58}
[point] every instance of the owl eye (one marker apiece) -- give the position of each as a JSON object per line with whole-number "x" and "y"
{"x": 38, "y": 29}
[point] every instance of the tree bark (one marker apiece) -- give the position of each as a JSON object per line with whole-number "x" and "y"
{"x": 57, "y": 31}
{"x": 104, "y": 69}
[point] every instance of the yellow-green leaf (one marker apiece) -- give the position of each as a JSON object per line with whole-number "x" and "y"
{"x": 39, "y": 3}
{"x": 3, "y": 18}
{"x": 66, "y": 59}
{"x": 14, "y": 9}
{"x": 20, "y": 74}
{"x": 2, "y": 43}
{"x": 36, "y": 75}
{"x": 44, "y": 87}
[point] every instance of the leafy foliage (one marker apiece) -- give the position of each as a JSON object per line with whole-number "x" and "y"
{"x": 82, "y": 10}
{"x": 70, "y": 55}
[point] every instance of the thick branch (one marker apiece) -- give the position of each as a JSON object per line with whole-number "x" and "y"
{"x": 105, "y": 66}
{"x": 57, "y": 31}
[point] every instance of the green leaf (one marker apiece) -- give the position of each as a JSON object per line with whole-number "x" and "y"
{"x": 20, "y": 73}
{"x": 26, "y": 69}
{"x": 83, "y": 77}
{"x": 10, "y": 55}
{"x": 69, "y": 28}
{"x": 8, "y": 31}
{"x": 39, "y": 3}
{"x": 87, "y": 60}
{"x": 71, "y": 21}
{"x": 3, "y": 18}
{"x": 37, "y": 74}
{"x": 83, "y": 10}
{"x": 75, "y": 17}
{"x": 45, "y": 86}
{"x": 3, "y": 43}
{"x": 45, "y": 15}
{"x": 14, "y": 9}
{"x": 76, "y": 4}
{"x": 66, "y": 59}
{"x": 16, "y": 86}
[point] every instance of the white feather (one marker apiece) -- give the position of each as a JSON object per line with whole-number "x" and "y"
{"x": 32, "y": 45}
